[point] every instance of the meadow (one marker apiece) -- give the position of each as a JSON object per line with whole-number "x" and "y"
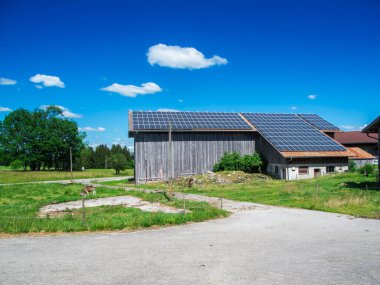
{"x": 348, "y": 193}
{"x": 19, "y": 176}
{"x": 19, "y": 206}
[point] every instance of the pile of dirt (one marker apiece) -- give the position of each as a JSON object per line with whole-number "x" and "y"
{"x": 220, "y": 178}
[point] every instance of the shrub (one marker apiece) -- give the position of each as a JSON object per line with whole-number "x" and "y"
{"x": 16, "y": 165}
{"x": 351, "y": 165}
{"x": 367, "y": 169}
{"x": 234, "y": 161}
{"x": 119, "y": 162}
{"x": 251, "y": 163}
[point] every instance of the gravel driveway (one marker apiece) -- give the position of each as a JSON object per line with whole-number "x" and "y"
{"x": 266, "y": 245}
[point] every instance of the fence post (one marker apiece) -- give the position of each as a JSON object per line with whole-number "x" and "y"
{"x": 83, "y": 212}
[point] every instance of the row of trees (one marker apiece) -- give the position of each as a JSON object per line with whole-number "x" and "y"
{"x": 104, "y": 157}
{"x": 42, "y": 139}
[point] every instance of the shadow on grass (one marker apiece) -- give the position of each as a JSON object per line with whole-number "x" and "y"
{"x": 370, "y": 185}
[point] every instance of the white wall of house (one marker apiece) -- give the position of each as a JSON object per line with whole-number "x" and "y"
{"x": 294, "y": 171}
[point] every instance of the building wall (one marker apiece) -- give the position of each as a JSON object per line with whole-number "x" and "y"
{"x": 290, "y": 170}
{"x": 193, "y": 152}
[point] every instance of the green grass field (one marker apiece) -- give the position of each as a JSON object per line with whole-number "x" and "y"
{"x": 344, "y": 193}
{"x": 10, "y": 176}
{"x": 19, "y": 205}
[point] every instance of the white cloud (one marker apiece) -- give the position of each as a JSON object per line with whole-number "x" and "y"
{"x": 91, "y": 129}
{"x": 312, "y": 97}
{"x": 47, "y": 80}
{"x": 38, "y": 86}
{"x": 180, "y": 100}
{"x": 7, "y": 81}
{"x": 181, "y": 57}
{"x": 133, "y": 90}
{"x": 167, "y": 110}
{"x": 293, "y": 108}
{"x": 5, "y": 109}
{"x": 352, "y": 128}
{"x": 65, "y": 111}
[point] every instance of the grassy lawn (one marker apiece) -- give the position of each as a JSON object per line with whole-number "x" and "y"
{"x": 344, "y": 193}
{"x": 19, "y": 205}
{"x": 10, "y": 176}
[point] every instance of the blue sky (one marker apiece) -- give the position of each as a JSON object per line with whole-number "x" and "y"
{"x": 249, "y": 56}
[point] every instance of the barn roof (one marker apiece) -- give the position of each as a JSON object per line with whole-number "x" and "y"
{"x": 373, "y": 127}
{"x": 356, "y": 137}
{"x": 287, "y": 133}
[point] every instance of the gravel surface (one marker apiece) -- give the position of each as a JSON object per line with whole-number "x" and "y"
{"x": 267, "y": 245}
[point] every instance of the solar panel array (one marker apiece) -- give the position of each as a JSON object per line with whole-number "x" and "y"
{"x": 146, "y": 120}
{"x": 288, "y": 132}
{"x": 318, "y": 122}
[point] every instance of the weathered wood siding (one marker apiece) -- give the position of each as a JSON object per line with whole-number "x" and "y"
{"x": 193, "y": 152}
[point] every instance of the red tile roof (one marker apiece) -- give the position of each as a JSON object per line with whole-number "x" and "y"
{"x": 355, "y": 138}
{"x": 359, "y": 153}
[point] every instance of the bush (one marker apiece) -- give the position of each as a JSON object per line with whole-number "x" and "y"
{"x": 119, "y": 162}
{"x": 234, "y": 161}
{"x": 16, "y": 165}
{"x": 351, "y": 165}
{"x": 367, "y": 169}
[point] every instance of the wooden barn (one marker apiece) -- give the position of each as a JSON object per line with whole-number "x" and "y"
{"x": 172, "y": 144}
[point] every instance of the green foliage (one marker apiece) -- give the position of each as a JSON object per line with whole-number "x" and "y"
{"x": 16, "y": 165}
{"x": 251, "y": 163}
{"x": 351, "y": 166}
{"x": 234, "y": 161}
{"x": 119, "y": 162}
{"x": 40, "y": 138}
{"x": 367, "y": 169}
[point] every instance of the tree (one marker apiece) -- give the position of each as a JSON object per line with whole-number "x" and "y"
{"x": 102, "y": 153}
{"x": 40, "y": 138}
{"x": 16, "y": 165}
{"x": 119, "y": 162}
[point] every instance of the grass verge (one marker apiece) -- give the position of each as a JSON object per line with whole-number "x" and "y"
{"x": 343, "y": 193}
{"x": 19, "y": 205}
{"x": 10, "y": 176}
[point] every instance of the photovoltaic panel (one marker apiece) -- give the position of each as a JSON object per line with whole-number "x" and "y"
{"x": 288, "y": 132}
{"x": 318, "y": 122}
{"x": 147, "y": 120}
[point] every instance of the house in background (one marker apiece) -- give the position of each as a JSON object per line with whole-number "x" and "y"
{"x": 374, "y": 127}
{"x": 367, "y": 142}
{"x": 361, "y": 157}
{"x": 172, "y": 144}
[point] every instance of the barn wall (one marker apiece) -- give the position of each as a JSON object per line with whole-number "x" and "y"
{"x": 193, "y": 152}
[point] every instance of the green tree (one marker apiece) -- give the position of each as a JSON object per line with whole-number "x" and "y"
{"x": 40, "y": 138}
{"x": 119, "y": 162}
{"x": 16, "y": 165}
{"x": 102, "y": 153}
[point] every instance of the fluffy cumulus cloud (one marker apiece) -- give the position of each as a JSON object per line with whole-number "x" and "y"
{"x": 65, "y": 111}
{"x": 7, "y": 81}
{"x": 47, "y": 80}
{"x": 133, "y": 90}
{"x": 5, "y": 109}
{"x": 181, "y": 57}
{"x": 91, "y": 129}
{"x": 167, "y": 110}
{"x": 312, "y": 97}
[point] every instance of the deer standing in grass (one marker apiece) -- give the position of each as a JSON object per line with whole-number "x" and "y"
{"x": 87, "y": 189}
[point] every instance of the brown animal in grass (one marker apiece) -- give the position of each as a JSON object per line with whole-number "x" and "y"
{"x": 87, "y": 190}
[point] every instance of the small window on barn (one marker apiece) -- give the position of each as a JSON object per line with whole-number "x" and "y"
{"x": 330, "y": 169}
{"x": 302, "y": 170}
{"x": 276, "y": 169}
